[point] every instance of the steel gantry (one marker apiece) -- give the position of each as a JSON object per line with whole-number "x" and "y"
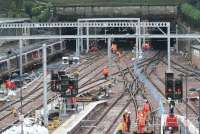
{"x": 96, "y": 23}
{"x": 92, "y": 23}
{"x": 110, "y": 22}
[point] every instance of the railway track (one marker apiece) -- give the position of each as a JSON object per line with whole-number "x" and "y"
{"x": 157, "y": 81}
{"x": 117, "y": 106}
{"x": 35, "y": 95}
{"x": 185, "y": 71}
{"x": 29, "y": 98}
{"x": 39, "y": 82}
{"x": 107, "y": 122}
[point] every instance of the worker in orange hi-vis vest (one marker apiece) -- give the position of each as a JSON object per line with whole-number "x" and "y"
{"x": 141, "y": 121}
{"x": 129, "y": 120}
{"x": 146, "y": 108}
{"x": 125, "y": 127}
{"x": 105, "y": 72}
{"x": 125, "y": 121}
{"x": 114, "y": 47}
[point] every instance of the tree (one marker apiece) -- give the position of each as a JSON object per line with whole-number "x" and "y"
{"x": 19, "y": 4}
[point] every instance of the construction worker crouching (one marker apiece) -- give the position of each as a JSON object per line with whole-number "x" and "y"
{"x": 14, "y": 111}
{"x": 120, "y": 128}
{"x": 105, "y": 72}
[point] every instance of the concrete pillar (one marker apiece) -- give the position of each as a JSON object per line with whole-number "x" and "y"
{"x": 26, "y": 60}
{"x": 26, "y": 32}
{"x": 189, "y": 44}
{"x": 52, "y": 49}
{"x": 144, "y": 32}
{"x": 44, "y": 50}
{"x": 81, "y": 40}
{"x": 136, "y": 43}
{"x": 60, "y": 33}
{"x": 78, "y": 42}
{"x": 20, "y": 57}
{"x": 176, "y": 45}
{"x": 140, "y": 47}
{"x": 109, "y": 58}
{"x": 8, "y": 65}
{"x": 87, "y": 40}
{"x": 168, "y": 50}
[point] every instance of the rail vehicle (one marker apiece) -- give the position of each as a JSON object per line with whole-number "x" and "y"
{"x": 30, "y": 58}
{"x": 171, "y": 125}
{"x": 144, "y": 120}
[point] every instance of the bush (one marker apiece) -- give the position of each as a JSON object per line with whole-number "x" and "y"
{"x": 191, "y": 14}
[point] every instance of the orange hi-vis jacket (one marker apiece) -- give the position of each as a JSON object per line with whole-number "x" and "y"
{"x": 146, "y": 107}
{"x": 105, "y": 71}
{"x": 140, "y": 118}
{"x": 114, "y": 48}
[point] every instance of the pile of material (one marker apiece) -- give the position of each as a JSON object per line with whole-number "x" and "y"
{"x": 28, "y": 128}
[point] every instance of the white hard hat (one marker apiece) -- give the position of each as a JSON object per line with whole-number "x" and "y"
{"x": 126, "y": 110}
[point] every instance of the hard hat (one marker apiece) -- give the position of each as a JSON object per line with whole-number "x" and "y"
{"x": 129, "y": 112}
{"x": 126, "y": 111}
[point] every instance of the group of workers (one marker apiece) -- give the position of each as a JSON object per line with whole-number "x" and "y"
{"x": 105, "y": 70}
{"x": 124, "y": 125}
{"x": 143, "y": 116}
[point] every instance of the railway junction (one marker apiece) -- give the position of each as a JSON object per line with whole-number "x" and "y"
{"x": 99, "y": 86}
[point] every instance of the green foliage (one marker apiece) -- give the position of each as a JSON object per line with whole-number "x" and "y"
{"x": 42, "y": 17}
{"x": 36, "y": 10}
{"x": 191, "y": 14}
{"x": 39, "y": 12}
{"x": 114, "y": 2}
{"x": 28, "y": 7}
{"x": 19, "y": 4}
